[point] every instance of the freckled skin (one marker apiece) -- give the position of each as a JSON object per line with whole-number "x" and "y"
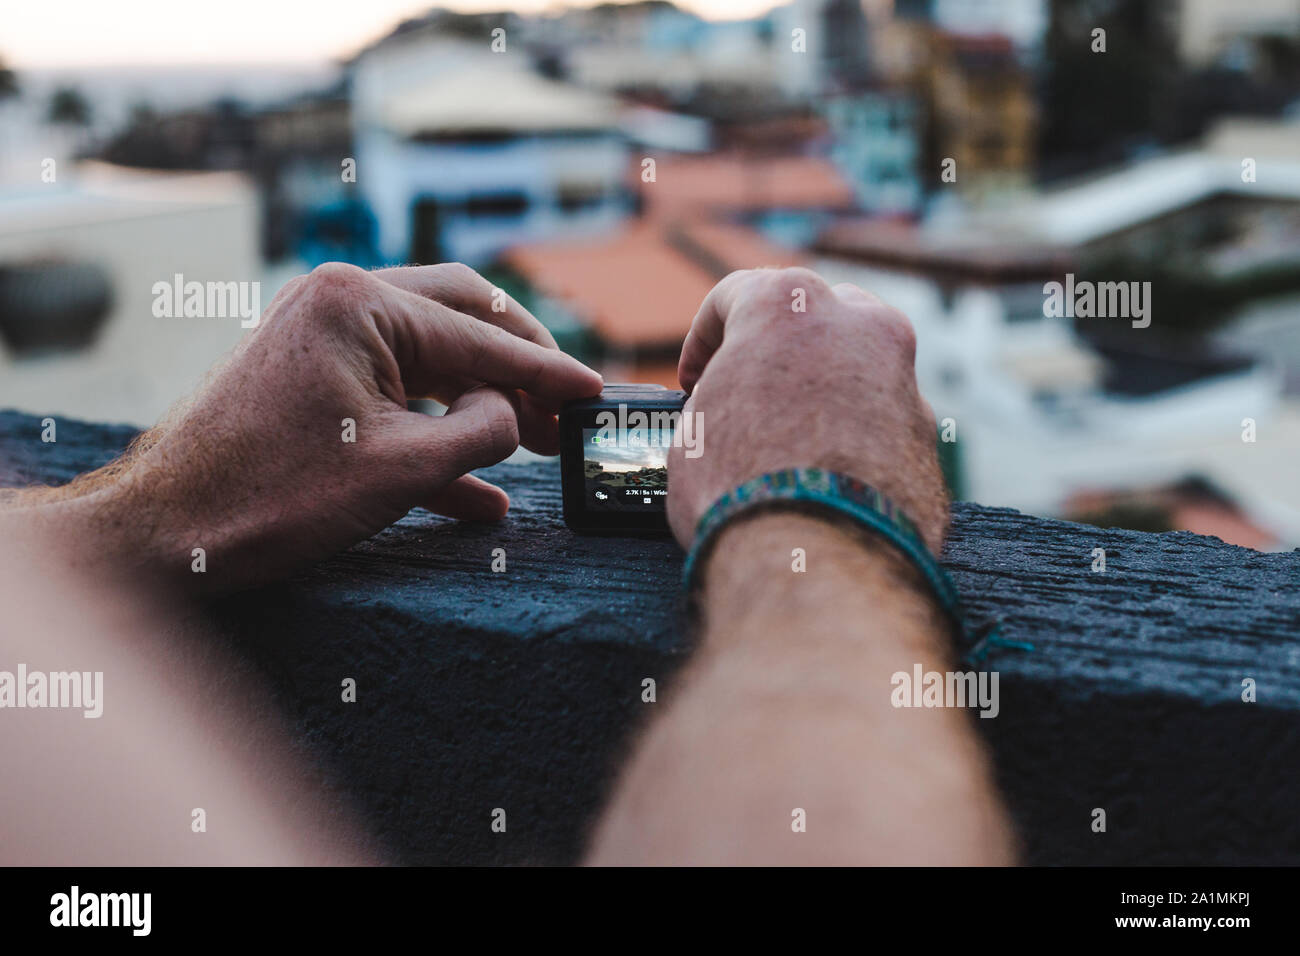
{"x": 783, "y": 714}
{"x": 832, "y": 387}
{"x": 780, "y": 744}
{"x": 253, "y": 467}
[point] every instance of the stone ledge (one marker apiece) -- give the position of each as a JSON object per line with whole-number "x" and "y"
{"x": 519, "y": 689}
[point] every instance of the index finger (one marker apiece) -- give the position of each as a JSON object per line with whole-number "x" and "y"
{"x": 705, "y": 335}
{"x": 460, "y": 288}
{"x": 436, "y": 342}
{"x": 757, "y": 295}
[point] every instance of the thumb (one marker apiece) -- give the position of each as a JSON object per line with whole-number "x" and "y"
{"x": 427, "y": 453}
{"x": 469, "y": 499}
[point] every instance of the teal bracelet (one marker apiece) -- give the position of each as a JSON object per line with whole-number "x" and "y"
{"x": 832, "y": 493}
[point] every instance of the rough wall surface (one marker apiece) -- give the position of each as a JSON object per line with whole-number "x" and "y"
{"x": 521, "y": 689}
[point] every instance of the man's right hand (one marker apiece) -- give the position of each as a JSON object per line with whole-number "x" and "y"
{"x": 829, "y": 386}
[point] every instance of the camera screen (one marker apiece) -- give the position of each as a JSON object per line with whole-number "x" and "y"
{"x": 626, "y": 469}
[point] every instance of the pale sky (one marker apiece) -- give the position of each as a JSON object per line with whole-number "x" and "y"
{"x": 52, "y": 33}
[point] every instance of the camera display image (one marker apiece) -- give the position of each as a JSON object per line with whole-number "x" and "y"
{"x": 626, "y": 469}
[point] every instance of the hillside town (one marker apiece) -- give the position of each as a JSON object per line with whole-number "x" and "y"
{"x": 1106, "y": 300}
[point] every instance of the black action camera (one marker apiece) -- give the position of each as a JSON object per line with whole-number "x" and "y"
{"x": 614, "y": 459}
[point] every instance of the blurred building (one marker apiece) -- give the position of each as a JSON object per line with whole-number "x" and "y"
{"x": 822, "y": 46}
{"x": 1039, "y": 413}
{"x": 657, "y": 131}
{"x": 632, "y": 292}
{"x": 134, "y": 229}
{"x": 788, "y": 198}
{"x": 876, "y": 143}
{"x": 972, "y": 98}
{"x": 983, "y": 111}
{"x": 636, "y": 290}
{"x": 462, "y": 152}
{"x": 1193, "y": 504}
{"x": 1046, "y": 408}
{"x": 581, "y": 168}
{"x": 1211, "y": 31}
{"x": 655, "y": 48}
{"x": 302, "y": 145}
{"x": 1022, "y": 22}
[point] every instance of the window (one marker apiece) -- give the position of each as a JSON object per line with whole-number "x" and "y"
{"x": 1023, "y": 303}
{"x": 580, "y": 197}
{"x": 496, "y": 204}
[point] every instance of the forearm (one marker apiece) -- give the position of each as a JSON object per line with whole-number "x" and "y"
{"x": 85, "y": 530}
{"x": 117, "y": 524}
{"x": 168, "y": 514}
{"x": 788, "y": 706}
{"x": 119, "y": 788}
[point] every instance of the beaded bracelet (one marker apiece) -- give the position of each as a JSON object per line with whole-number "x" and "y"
{"x": 831, "y": 494}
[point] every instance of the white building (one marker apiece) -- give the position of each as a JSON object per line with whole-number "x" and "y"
{"x": 136, "y": 228}
{"x": 678, "y": 52}
{"x": 462, "y": 152}
{"x": 1035, "y": 420}
{"x": 876, "y": 143}
{"x": 1023, "y": 21}
{"x": 1207, "y": 29}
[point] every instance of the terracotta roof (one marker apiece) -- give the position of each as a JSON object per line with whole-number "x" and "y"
{"x": 660, "y": 372}
{"x": 642, "y": 285}
{"x": 727, "y": 247}
{"x": 1226, "y": 524}
{"x": 1190, "y": 505}
{"x": 731, "y": 182}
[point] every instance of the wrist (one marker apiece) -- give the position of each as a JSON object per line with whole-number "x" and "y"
{"x": 785, "y": 572}
{"x": 100, "y": 527}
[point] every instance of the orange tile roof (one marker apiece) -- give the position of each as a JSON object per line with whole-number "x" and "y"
{"x": 728, "y": 246}
{"x": 732, "y": 182}
{"x": 657, "y": 372}
{"x": 1226, "y": 524}
{"x": 641, "y": 286}
{"x": 1187, "y": 509}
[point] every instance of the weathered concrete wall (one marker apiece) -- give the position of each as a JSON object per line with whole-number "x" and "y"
{"x": 520, "y": 689}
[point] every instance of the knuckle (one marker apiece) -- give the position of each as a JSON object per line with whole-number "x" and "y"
{"x": 284, "y": 299}
{"x": 901, "y": 331}
{"x": 805, "y": 278}
{"x": 480, "y": 340}
{"x": 537, "y": 367}
{"x": 335, "y": 288}
{"x": 852, "y": 293}
{"x": 333, "y": 273}
{"x": 501, "y": 426}
{"x": 294, "y": 286}
{"x": 777, "y": 289}
{"x": 459, "y": 273}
